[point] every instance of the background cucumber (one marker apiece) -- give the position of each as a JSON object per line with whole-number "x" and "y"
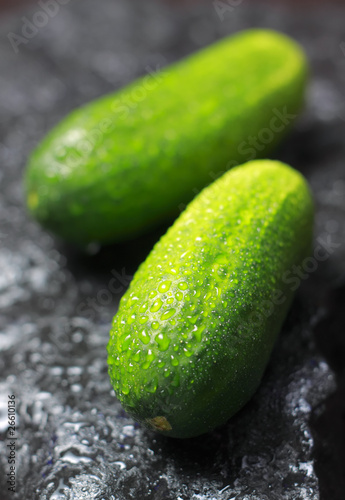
{"x": 196, "y": 327}
{"x": 110, "y": 169}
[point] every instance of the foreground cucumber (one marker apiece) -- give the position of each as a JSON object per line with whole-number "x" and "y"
{"x": 127, "y": 161}
{"x": 196, "y": 327}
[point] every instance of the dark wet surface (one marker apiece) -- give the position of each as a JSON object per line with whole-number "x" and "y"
{"x": 73, "y": 439}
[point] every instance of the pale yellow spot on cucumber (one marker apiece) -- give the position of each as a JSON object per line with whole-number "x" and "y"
{"x": 159, "y": 424}
{"x": 32, "y": 200}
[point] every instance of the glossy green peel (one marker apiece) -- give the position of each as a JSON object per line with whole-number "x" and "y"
{"x": 196, "y": 327}
{"x": 128, "y": 161}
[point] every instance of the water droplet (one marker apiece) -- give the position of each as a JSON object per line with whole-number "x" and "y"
{"x": 170, "y": 301}
{"x": 131, "y": 319}
{"x": 125, "y": 389}
{"x": 155, "y": 325}
{"x": 143, "y": 319}
{"x": 152, "y": 294}
{"x": 187, "y": 353}
{"x": 193, "y": 319}
{"x": 222, "y": 259}
{"x": 151, "y": 385}
{"x": 164, "y": 287}
{"x": 182, "y": 285}
{"x": 126, "y": 343}
{"x": 143, "y": 308}
{"x": 149, "y": 358}
{"x": 136, "y": 355}
{"x": 111, "y": 360}
{"x": 163, "y": 341}
{"x": 156, "y": 305}
{"x": 168, "y": 314}
{"x": 197, "y": 332}
{"x": 144, "y": 337}
{"x": 179, "y": 295}
{"x": 174, "y": 361}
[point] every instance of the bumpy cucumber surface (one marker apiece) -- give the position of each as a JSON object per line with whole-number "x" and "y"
{"x": 196, "y": 327}
{"x": 127, "y": 161}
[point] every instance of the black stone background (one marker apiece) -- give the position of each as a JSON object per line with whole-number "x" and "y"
{"x": 74, "y": 440}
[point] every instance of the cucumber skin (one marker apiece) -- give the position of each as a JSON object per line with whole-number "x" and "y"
{"x": 230, "y": 249}
{"x": 108, "y": 172}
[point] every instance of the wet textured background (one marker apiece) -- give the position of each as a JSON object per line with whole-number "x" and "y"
{"x": 73, "y": 439}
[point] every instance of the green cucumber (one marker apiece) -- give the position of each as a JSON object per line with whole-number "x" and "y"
{"x": 126, "y": 162}
{"x": 194, "y": 331}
